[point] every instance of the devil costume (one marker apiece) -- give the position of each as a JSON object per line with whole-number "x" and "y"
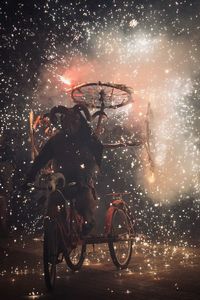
{"x": 74, "y": 155}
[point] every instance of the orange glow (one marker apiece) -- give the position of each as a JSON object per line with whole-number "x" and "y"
{"x": 151, "y": 178}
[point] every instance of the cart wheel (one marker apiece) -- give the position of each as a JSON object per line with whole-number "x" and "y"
{"x": 50, "y": 253}
{"x": 76, "y": 257}
{"x": 121, "y": 249}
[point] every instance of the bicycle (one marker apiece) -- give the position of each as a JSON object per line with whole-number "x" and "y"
{"x": 63, "y": 228}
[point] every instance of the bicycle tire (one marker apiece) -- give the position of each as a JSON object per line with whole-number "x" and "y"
{"x": 120, "y": 258}
{"x": 73, "y": 261}
{"x": 50, "y": 253}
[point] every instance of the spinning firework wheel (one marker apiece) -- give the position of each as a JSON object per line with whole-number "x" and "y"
{"x": 101, "y": 96}
{"x": 98, "y": 95}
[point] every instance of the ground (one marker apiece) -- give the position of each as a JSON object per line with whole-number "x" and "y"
{"x": 155, "y": 272}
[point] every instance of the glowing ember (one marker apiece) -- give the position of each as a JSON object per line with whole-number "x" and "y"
{"x": 151, "y": 177}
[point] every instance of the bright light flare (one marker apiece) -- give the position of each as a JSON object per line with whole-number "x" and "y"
{"x": 65, "y": 80}
{"x": 151, "y": 178}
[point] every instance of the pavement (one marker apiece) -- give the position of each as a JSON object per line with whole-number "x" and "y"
{"x": 156, "y": 271}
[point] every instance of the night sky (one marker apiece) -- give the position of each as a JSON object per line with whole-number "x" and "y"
{"x": 151, "y": 46}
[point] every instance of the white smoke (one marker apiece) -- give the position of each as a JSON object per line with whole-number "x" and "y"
{"x": 160, "y": 71}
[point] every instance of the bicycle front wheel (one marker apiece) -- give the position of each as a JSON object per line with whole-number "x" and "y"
{"x": 120, "y": 243}
{"x": 76, "y": 257}
{"x": 50, "y": 253}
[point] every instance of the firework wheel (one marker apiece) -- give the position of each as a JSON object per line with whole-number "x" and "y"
{"x": 96, "y": 95}
{"x": 50, "y": 253}
{"x": 121, "y": 249}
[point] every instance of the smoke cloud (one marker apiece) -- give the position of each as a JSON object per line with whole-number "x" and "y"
{"x": 161, "y": 71}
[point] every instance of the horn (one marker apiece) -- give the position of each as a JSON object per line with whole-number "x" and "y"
{"x": 57, "y": 109}
{"x": 84, "y": 109}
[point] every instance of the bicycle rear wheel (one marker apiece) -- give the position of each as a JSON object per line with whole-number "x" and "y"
{"x": 120, "y": 244}
{"x": 50, "y": 253}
